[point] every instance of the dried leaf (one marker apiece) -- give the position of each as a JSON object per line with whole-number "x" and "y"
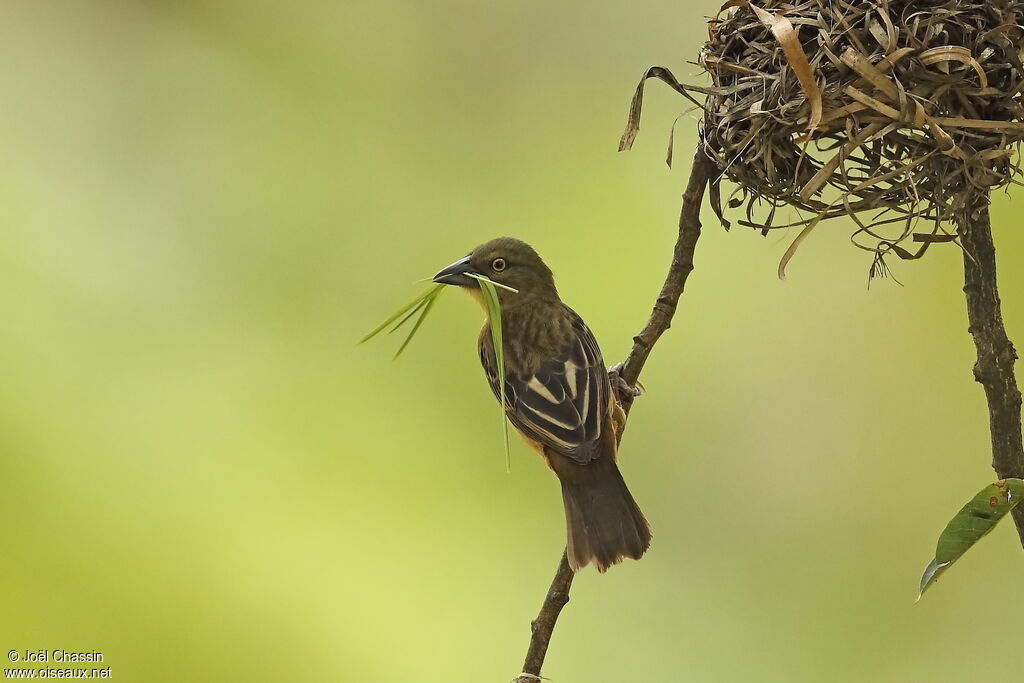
{"x": 824, "y": 214}
{"x": 934, "y": 238}
{"x": 863, "y": 66}
{"x": 954, "y": 53}
{"x": 784, "y": 32}
{"x": 633, "y": 123}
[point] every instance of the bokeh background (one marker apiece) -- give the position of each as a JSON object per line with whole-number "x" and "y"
{"x": 205, "y": 204}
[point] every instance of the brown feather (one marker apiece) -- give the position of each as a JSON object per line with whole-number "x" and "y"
{"x": 559, "y": 399}
{"x": 604, "y": 524}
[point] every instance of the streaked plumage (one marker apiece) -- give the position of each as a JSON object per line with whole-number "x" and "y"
{"x": 559, "y": 399}
{"x": 563, "y": 402}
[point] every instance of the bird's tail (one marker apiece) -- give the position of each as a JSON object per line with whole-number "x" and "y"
{"x": 603, "y": 522}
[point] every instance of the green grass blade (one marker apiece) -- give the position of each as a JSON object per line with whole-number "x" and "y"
{"x": 420, "y": 308}
{"x": 418, "y": 301}
{"x": 494, "y": 318}
{"x": 412, "y": 311}
{"x": 429, "y": 303}
{"x": 484, "y": 278}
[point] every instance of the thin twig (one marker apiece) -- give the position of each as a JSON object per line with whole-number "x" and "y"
{"x": 702, "y": 171}
{"x": 625, "y": 376}
{"x": 996, "y": 355}
{"x": 544, "y": 624}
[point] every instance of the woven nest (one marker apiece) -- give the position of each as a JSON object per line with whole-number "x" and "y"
{"x": 897, "y": 114}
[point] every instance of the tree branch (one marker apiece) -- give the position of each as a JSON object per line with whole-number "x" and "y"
{"x": 544, "y": 624}
{"x": 996, "y": 355}
{"x": 701, "y": 173}
{"x": 624, "y": 378}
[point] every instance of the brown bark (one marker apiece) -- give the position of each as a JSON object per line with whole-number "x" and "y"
{"x": 996, "y": 355}
{"x": 701, "y": 173}
{"x": 624, "y": 378}
{"x": 542, "y": 627}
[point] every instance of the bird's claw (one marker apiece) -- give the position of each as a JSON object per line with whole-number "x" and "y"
{"x": 621, "y": 387}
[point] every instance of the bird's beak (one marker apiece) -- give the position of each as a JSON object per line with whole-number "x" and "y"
{"x": 455, "y": 274}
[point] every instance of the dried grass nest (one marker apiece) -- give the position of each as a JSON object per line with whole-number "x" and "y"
{"x": 898, "y": 114}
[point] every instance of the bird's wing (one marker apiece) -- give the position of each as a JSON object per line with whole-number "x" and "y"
{"x": 564, "y": 403}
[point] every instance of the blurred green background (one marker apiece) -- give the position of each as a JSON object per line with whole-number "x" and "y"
{"x": 205, "y": 205}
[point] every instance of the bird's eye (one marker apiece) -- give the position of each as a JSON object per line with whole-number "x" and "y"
{"x": 498, "y": 265}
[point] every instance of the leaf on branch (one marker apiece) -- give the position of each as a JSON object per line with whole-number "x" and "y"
{"x": 974, "y": 520}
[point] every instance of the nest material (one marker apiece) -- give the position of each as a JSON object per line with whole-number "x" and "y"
{"x": 897, "y": 114}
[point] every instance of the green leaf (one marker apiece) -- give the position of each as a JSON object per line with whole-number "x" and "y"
{"x": 974, "y": 520}
{"x": 493, "y": 306}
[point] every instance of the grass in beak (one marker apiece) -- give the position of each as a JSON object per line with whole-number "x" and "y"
{"x": 423, "y": 304}
{"x": 493, "y": 306}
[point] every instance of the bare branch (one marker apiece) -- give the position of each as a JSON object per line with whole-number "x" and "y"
{"x": 701, "y": 173}
{"x": 544, "y": 624}
{"x": 624, "y": 378}
{"x": 996, "y": 355}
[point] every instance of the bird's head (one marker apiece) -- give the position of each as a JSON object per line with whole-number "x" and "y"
{"x": 506, "y": 261}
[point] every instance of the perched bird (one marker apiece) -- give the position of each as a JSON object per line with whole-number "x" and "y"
{"x": 558, "y": 396}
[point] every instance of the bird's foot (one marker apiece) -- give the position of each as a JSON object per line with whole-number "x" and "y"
{"x": 620, "y": 387}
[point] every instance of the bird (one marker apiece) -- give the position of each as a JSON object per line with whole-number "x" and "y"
{"x": 558, "y": 397}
